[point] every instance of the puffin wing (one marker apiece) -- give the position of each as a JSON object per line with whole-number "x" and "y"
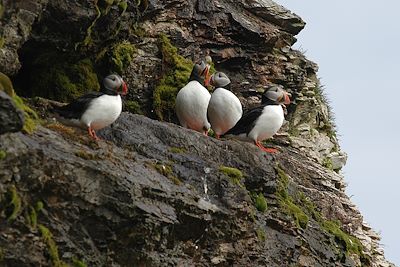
{"x": 77, "y": 107}
{"x": 246, "y": 122}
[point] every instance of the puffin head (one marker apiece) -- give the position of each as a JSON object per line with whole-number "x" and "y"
{"x": 219, "y": 79}
{"x": 276, "y": 95}
{"x": 199, "y": 71}
{"x": 114, "y": 82}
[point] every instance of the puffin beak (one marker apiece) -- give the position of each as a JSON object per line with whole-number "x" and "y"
{"x": 124, "y": 89}
{"x": 287, "y": 99}
{"x": 209, "y": 81}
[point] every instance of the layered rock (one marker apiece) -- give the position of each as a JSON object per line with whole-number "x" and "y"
{"x": 155, "y": 195}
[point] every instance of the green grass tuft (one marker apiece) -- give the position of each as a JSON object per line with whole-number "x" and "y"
{"x": 260, "y": 202}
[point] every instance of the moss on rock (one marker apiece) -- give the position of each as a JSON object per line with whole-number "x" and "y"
{"x": 176, "y": 72}
{"x": 287, "y": 203}
{"x": 121, "y": 55}
{"x": 14, "y": 203}
{"x": 234, "y": 174}
{"x": 6, "y": 85}
{"x": 62, "y": 77}
{"x": 260, "y": 202}
{"x": 51, "y": 246}
{"x": 30, "y": 116}
{"x": 166, "y": 170}
{"x": 132, "y": 107}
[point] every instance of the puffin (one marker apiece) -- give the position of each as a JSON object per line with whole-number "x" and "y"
{"x": 192, "y": 100}
{"x": 95, "y": 110}
{"x": 224, "y": 109}
{"x": 262, "y": 122}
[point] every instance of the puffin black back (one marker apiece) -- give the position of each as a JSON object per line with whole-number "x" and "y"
{"x": 77, "y": 107}
{"x": 247, "y": 121}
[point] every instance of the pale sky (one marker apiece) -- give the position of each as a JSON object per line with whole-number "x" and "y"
{"x": 355, "y": 43}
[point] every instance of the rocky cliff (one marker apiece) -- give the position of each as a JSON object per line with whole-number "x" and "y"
{"x": 152, "y": 193}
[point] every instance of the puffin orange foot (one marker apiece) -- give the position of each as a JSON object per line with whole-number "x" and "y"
{"x": 92, "y": 134}
{"x": 266, "y": 149}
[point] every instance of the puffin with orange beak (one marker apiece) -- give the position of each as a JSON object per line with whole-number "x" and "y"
{"x": 95, "y": 110}
{"x": 261, "y": 123}
{"x": 192, "y": 100}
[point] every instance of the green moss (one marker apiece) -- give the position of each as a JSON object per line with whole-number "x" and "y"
{"x": 287, "y": 203}
{"x": 166, "y": 170}
{"x": 261, "y": 235}
{"x": 123, "y": 5}
{"x": 78, "y": 263}
{"x": 260, "y": 202}
{"x": 30, "y": 116}
{"x": 6, "y": 85}
{"x": 133, "y": 107}
{"x": 234, "y": 174}
{"x": 307, "y": 208}
{"x": 32, "y": 217}
{"x": 121, "y": 56}
{"x": 3, "y": 154}
{"x": 177, "y": 150}
{"x": 139, "y": 31}
{"x": 51, "y": 246}
{"x": 39, "y": 206}
{"x": 350, "y": 243}
{"x": 176, "y": 72}
{"x": 62, "y": 77}
{"x": 14, "y": 203}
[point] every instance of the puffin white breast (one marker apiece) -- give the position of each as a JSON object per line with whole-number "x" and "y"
{"x": 224, "y": 110}
{"x": 102, "y": 111}
{"x": 268, "y": 123}
{"x": 191, "y": 106}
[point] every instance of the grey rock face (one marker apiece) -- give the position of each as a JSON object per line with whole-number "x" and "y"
{"x": 11, "y": 118}
{"x": 153, "y": 194}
